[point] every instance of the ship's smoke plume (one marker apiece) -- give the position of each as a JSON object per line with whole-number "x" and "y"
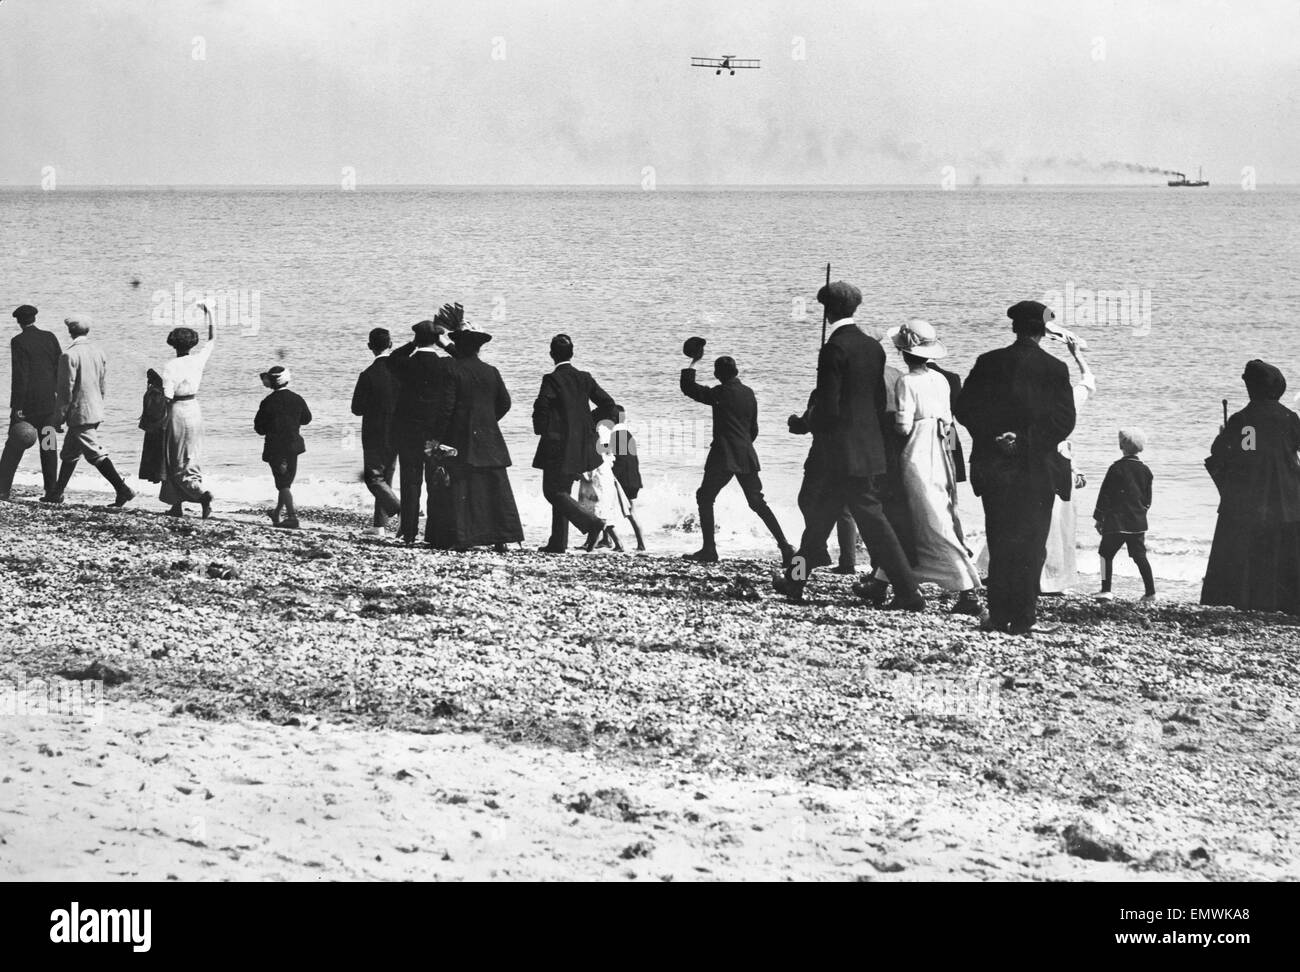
{"x": 1080, "y": 163}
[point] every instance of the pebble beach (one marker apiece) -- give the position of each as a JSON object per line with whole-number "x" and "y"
{"x": 317, "y": 705}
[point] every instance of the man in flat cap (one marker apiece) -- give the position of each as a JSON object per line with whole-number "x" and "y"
{"x": 1018, "y": 405}
{"x": 421, "y": 370}
{"x": 80, "y": 388}
{"x": 374, "y": 399}
{"x": 846, "y": 464}
{"x": 35, "y": 358}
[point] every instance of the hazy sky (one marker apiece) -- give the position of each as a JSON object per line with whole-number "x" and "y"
{"x": 593, "y": 91}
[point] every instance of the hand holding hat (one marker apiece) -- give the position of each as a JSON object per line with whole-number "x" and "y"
{"x": 694, "y": 348}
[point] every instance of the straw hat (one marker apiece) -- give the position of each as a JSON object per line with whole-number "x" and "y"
{"x": 919, "y": 338}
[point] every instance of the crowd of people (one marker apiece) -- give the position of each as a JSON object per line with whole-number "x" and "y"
{"x": 883, "y": 465}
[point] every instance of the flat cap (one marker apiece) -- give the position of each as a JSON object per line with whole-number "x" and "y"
{"x": 841, "y": 293}
{"x": 1030, "y": 310}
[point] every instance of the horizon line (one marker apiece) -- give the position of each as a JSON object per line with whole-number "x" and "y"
{"x": 628, "y": 186}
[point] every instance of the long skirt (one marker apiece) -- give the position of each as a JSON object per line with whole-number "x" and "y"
{"x": 897, "y": 511}
{"x": 930, "y": 486}
{"x": 477, "y": 509}
{"x": 153, "y": 456}
{"x": 182, "y": 451}
{"x": 1254, "y": 566}
{"x": 1060, "y": 571}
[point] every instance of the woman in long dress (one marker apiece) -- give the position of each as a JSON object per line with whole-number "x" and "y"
{"x": 183, "y": 446}
{"x": 1255, "y": 560}
{"x": 477, "y": 499}
{"x": 1060, "y": 570}
{"x": 929, "y": 479}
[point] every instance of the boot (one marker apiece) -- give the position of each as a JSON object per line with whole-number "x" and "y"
{"x": 967, "y": 603}
{"x": 55, "y": 495}
{"x": 708, "y": 552}
{"x": 49, "y": 467}
{"x": 124, "y": 492}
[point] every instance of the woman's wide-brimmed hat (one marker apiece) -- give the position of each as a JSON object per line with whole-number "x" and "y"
{"x": 919, "y": 338}
{"x": 470, "y": 340}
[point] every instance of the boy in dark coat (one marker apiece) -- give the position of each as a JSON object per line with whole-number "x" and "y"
{"x": 1121, "y": 512}
{"x": 279, "y": 418}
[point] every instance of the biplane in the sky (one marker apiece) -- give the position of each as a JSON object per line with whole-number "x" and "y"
{"x": 728, "y": 62}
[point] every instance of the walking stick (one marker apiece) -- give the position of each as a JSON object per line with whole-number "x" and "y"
{"x": 828, "y": 283}
{"x": 1225, "y": 416}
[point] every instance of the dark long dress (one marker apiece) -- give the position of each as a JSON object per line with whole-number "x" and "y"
{"x": 478, "y": 504}
{"x": 1255, "y": 560}
{"x": 154, "y": 417}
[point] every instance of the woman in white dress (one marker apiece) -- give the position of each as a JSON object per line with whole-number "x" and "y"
{"x": 1060, "y": 571}
{"x": 929, "y": 479}
{"x": 183, "y": 443}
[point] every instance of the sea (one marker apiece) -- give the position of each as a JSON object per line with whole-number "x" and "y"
{"x": 1172, "y": 290}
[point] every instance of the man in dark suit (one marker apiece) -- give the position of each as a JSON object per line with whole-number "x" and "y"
{"x": 35, "y": 357}
{"x": 375, "y": 399}
{"x": 846, "y": 464}
{"x": 1018, "y": 405}
{"x": 567, "y": 450}
{"x": 735, "y": 427}
{"x": 421, "y": 372}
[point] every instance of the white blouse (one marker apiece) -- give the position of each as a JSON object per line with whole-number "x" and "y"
{"x": 922, "y": 395}
{"x": 182, "y": 376}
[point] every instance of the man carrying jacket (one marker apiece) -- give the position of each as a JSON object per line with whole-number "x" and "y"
{"x": 35, "y": 358}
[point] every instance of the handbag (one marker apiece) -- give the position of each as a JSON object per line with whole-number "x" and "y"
{"x": 438, "y": 453}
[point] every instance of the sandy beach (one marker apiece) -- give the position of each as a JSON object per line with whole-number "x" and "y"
{"x": 315, "y": 706}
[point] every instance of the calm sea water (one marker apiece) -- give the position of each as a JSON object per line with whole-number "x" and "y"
{"x": 630, "y": 274}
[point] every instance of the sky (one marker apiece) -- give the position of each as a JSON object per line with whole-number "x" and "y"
{"x": 545, "y": 92}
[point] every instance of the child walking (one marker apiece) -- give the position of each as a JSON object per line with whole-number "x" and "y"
{"x": 1121, "y": 512}
{"x": 627, "y": 466}
{"x": 279, "y": 418}
{"x": 601, "y": 495}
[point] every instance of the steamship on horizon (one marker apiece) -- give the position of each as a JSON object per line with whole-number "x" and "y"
{"x": 1182, "y": 180}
